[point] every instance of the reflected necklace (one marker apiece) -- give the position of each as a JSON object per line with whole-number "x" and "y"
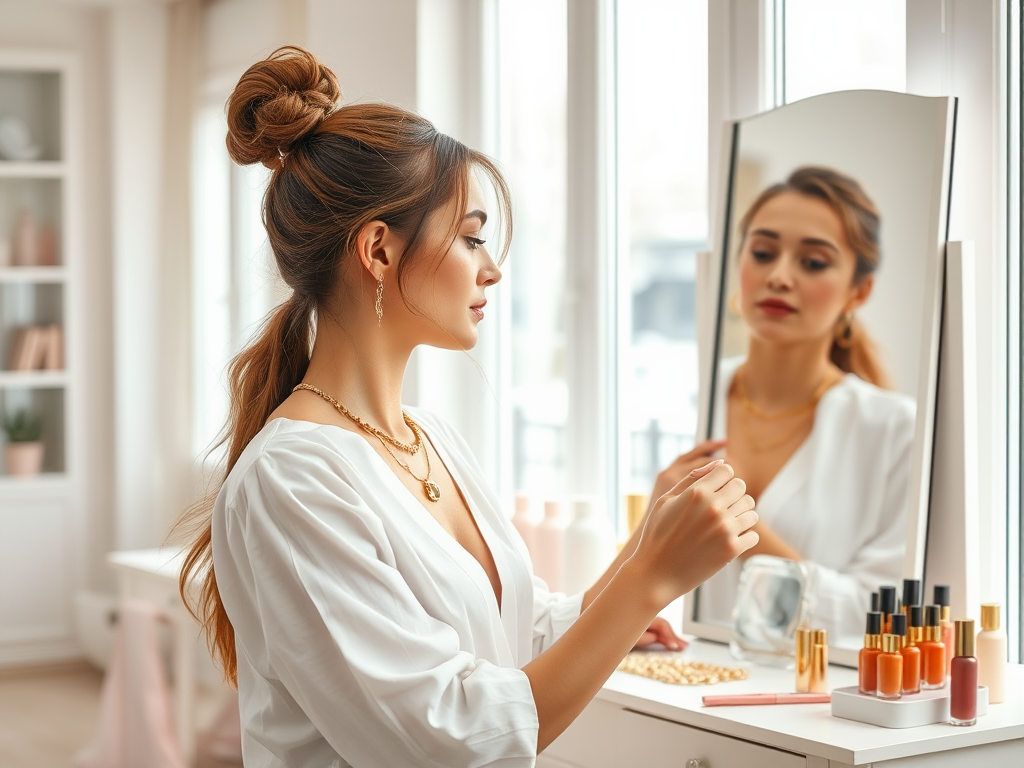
{"x": 759, "y": 447}
{"x": 433, "y": 493}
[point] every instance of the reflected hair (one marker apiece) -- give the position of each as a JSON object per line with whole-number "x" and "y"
{"x": 335, "y": 169}
{"x": 861, "y": 224}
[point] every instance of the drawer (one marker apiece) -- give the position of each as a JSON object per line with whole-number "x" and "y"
{"x": 646, "y": 740}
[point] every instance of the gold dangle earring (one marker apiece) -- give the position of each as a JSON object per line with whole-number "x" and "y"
{"x": 844, "y": 331}
{"x": 379, "y": 306}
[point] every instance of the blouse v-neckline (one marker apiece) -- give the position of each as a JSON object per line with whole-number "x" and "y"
{"x": 432, "y": 526}
{"x": 794, "y": 473}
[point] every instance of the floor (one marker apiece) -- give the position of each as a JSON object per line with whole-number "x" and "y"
{"x": 48, "y": 714}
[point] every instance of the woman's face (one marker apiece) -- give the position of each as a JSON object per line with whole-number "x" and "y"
{"x": 444, "y": 289}
{"x": 796, "y": 271}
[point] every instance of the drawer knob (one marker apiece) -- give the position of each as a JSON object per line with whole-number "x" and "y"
{"x": 693, "y": 762}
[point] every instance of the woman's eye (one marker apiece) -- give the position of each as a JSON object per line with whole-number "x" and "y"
{"x": 762, "y": 256}
{"x": 815, "y": 265}
{"x": 474, "y": 242}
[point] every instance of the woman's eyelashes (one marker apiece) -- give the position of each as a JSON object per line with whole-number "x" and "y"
{"x": 809, "y": 263}
{"x": 474, "y": 242}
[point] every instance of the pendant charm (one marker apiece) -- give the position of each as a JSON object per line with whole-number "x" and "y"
{"x": 430, "y": 488}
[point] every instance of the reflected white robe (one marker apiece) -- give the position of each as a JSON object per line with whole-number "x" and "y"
{"x": 841, "y": 501}
{"x": 366, "y": 635}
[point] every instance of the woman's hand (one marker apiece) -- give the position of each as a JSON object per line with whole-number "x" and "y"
{"x": 683, "y": 466}
{"x": 661, "y": 631}
{"x": 695, "y": 529}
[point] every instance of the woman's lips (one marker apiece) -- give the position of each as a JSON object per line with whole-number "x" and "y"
{"x": 478, "y": 310}
{"x": 775, "y": 308}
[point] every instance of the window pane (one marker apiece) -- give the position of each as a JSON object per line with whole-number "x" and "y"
{"x": 838, "y": 45}
{"x": 532, "y": 45}
{"x": 662, "y": 115}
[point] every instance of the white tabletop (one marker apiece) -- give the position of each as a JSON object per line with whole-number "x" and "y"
{"x": 806, "y": 728}
{"x": 163, "y": 562}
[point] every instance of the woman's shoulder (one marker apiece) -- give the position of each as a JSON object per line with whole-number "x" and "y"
{"x": 871, "y": 405}
{"x": 287, "y": 448}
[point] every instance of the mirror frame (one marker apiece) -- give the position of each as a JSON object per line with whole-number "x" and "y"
{"x": 711, "y": 288}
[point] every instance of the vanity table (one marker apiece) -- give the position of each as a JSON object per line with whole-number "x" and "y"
{"x": 637, "y": 721}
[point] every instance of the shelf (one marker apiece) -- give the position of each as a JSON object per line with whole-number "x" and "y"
{"x": 44, "y": 481}
{"x": 36, "y": 379}
{"x": 33, "y": 274}
{"x": 39, "y": 169}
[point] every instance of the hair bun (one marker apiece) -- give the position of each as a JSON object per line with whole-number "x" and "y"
{"x": 278, "y": 102}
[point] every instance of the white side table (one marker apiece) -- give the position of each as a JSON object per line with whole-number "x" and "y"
{"x": 152, "y": 575}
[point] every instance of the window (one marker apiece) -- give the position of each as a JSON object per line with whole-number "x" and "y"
{"x": 662, "y": 170}
{"x": 533, "y": 149}
{"x": 838, "y": 45}
{"x": 234, "y": 281}
{"x": 1014, "y": 105}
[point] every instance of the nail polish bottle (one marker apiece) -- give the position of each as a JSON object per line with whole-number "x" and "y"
{"x": 911, "y": 594}
{"x": 867, "y": 659}
{"x": 933, "y": 652}
{"x": 803, "y": 659}
{"x": 887, "y": 604}
{"x": 915, "y": 632}
{"x": 991, "y": 654}
{"x": 819, "y": 661}
{"x": 963, "y": 683}
{"x": 890, "y": 669}
{"x": 911, "y": 656}
{"x": 945, "y": 625}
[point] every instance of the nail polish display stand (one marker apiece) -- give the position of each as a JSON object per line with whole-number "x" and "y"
{"x": 912, "y": 710}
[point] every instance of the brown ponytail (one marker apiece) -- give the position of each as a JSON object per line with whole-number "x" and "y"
{"x": 335, "y": 169}
{"x": 853, "y": 350}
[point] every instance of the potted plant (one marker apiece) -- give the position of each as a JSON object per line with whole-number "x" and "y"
{"x": 24, "y": 450}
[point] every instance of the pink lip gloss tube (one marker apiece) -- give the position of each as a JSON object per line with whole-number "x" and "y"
{"x": 746, "y": 699}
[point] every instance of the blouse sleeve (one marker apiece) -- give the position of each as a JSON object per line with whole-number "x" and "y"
{"x": 553, "y": 614}
{"x": 844, "y": 595}
{"x": 384, "y": 682}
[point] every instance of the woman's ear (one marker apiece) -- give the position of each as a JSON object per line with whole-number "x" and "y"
{"x": 376, "y": 247}
{"x": 860, "y": 294}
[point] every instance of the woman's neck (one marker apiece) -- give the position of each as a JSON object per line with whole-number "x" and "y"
{"x": 781, "y": 376}
{"x": 362, "y": 366}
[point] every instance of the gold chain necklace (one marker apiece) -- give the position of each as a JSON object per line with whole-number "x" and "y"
{"x": 430, "y": 488}
{"x": 741, "y": 387}
{"x": 378, "y": 433}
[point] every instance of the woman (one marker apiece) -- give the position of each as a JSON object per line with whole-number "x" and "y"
{"x": 811, "y": 425}
{"x": 374, "y": 605}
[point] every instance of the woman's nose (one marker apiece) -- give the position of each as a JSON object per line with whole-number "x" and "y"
{"x": 781, "y": 275}
{"x": 490, "y": 274}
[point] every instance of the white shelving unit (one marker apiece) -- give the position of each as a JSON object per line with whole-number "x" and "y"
{"x": 41, "y": 531}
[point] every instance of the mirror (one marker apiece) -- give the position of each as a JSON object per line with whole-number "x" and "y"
{"x": 841, "y": 469}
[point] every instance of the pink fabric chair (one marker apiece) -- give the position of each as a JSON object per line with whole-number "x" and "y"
{"x": 136, "y": 725}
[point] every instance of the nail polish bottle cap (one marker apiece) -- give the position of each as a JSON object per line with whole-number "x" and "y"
{"x": 899, "y": 624}
{"x": 941, "y": 595}
{"x": 911, "y": 592}
{"x": 887, "y": 599}
{"x": 891, "y": 643}
{"x": 990, "y": 616}
{"x": 875, "y": 605}
{"x": 964, "y": 637}
{"x": 874, "y": 625}
{"x": 931, "y": 615}
{"x": 917, "y": 616}
{"x": 819, "y": 637}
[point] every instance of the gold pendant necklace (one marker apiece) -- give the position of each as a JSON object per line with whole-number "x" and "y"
{"x": 430, "y": 488}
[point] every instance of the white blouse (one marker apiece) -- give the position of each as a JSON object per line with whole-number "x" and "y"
{"x": 840, "y": 501}
{"x": 366, "y": 635}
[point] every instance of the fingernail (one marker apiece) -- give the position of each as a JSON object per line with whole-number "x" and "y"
{"x": 701, "y": 471}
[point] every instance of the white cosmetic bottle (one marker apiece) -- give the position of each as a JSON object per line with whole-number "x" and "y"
{"x": 548, "y": 544}
{"x": 589, "y": 546}
{"x": 522, "y": 520}
{"x": 990, "y": 650}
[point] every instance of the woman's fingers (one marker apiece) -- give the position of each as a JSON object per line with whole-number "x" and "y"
{"x": 661, "y": 631}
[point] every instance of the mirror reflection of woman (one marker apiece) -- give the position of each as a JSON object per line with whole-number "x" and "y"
{"x": 822, "y": 443}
